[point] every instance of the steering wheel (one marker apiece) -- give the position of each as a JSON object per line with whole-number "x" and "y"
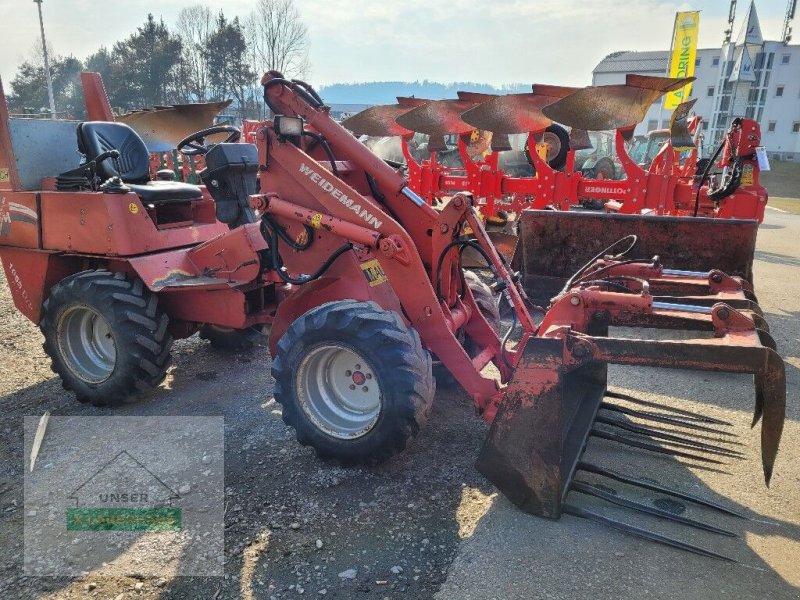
{"x": 195, "y": 143}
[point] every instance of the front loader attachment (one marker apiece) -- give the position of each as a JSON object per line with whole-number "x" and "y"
{"x": 559, "y": 398}
{"x": 554, "y": 244}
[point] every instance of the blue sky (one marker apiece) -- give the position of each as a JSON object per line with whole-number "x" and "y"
{"x": 494, "y": 41}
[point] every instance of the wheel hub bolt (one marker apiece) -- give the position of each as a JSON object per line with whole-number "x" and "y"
{"x": 348, "y": 372}
{"x": 365, "y": 389}
{"x": 352, "y": 386}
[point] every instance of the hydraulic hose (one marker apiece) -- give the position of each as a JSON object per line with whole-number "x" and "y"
{"x": 277, "y": 261}
{"x": 320, "y": 139}
{"x": 571, "y": 281}
{"x": 704, "y": 176}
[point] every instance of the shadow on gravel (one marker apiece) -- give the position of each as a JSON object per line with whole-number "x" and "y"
{"x": 777, "y": 259}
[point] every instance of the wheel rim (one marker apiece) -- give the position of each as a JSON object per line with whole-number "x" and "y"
{"x": 339, "y": 391}
{"x": 553, "y": 145}
{"x": 87, "y": 343}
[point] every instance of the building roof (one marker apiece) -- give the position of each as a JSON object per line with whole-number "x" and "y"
{"x": 634, "y": 62}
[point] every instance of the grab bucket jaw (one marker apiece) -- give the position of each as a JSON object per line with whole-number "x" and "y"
{"x": 554, "y": 402}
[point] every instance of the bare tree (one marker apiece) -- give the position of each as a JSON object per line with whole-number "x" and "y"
{"x": 195, "y": 25}
{"x": 277, "y": 38}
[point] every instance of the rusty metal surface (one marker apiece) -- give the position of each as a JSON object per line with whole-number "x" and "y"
{"x": 514, "y": 113}
{"x": 678, "y": 126}
{"x": 552, "y": 91}
{"x": 579, "y": 139}
{"x": 475, "y": 97}
{"x": 411, "y": 101}
{"x": 535, "y": 441}
{"x": 379, "y": 121}
{"x": 662, "y": 84}
{"x": 437, "y": 118}
{"x": 163, "y": 127}
{"x": 553, "y": 244}
{"x": 610, "y": 106}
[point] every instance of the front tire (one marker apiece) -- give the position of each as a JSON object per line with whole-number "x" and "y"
{"x": 354, "y": 381}
{"x": 106, "y": 337}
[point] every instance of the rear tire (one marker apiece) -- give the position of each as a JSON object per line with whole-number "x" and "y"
{"x": 604, "y": 169}
{"x": 558, "y": 138}
{"x": 234, "y": 340}
{"x": 354, "y": 381}
{"x": 107, "y": 339}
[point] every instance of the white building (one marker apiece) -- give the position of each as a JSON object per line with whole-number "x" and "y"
{"x": 765, "y": 86}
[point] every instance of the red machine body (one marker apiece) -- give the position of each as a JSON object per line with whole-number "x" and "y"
{"x": 666, "y": 187}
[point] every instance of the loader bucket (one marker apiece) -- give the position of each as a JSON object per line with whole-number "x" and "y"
{"x": 555, "y": 244}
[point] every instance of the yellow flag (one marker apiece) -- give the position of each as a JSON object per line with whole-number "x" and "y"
{"x": 684, "y": 54}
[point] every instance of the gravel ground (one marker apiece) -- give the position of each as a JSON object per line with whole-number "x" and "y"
{"x": 426, "y": 522}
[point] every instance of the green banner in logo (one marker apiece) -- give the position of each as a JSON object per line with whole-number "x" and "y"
{"x": 124, "y": 519}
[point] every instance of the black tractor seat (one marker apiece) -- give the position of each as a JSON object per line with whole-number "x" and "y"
{"x": 165, "y": 192}
{"x": 133, "y": 165}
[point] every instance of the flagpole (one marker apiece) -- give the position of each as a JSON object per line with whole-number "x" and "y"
{"x": 669, "y": 66}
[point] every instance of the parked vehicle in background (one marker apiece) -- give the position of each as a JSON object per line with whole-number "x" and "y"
{"x": 643, "y": 149}
{"x": 600, "y": 161}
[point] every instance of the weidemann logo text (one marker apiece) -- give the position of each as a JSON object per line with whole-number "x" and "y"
{"x": 340, "y": 196}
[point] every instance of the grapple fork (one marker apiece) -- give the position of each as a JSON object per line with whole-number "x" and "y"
{"x": 560, "y": 385}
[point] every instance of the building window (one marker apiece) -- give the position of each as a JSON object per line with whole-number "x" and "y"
{"x": 705, "y": 125}
{"x": 779, "y": 91}
{"x": 785, "y": 59}
{"x": 770, "y": 58}
{"x": 697, "y": 62}
{"x": 710, "y": 91}
{"x": 652, "y": 124}
{"x": 715, "y": 61}
{"x": 771, "y": 126}
{"x": 796, "y": 127}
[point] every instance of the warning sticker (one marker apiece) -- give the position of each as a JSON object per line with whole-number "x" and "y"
{"x": 5, "y": 176}
{"x": 133, "y": 207}
{"x": 747, "y": 175}
{"x": 374, "y": 273}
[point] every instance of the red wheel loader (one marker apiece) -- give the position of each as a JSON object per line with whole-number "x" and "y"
{"x": 362, "y": 284}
